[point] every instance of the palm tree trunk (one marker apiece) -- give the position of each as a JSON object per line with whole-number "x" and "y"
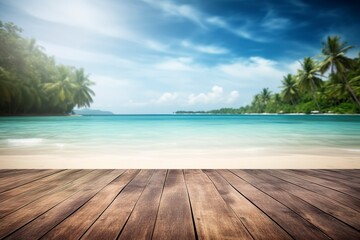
{"x": 351, "y": 91}
{"x": 352, "y": 94}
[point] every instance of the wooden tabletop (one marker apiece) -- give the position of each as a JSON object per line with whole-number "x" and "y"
{"x": 179, "y": 204}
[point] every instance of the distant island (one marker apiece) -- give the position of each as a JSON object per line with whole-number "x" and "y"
{"x": 327, "y": 83}
{"x": 88, "y": 111}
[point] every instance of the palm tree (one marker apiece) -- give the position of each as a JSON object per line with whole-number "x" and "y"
{"x": 290, "y": 90}
{"x": 334, "y": 51}
{"x": 83, "y": 93}
{"x": 340, "y": 90}
{"x": 265, "y": 95}
{"x": 256, "y": 103}
{"x": 7, "y": 87}
{"x": 308, "y": 77}
{"x": 62, "y": 90}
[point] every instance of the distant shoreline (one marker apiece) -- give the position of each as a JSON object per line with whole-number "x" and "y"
{"x": 188, "y": 114}
{"x": 269, "y": 114}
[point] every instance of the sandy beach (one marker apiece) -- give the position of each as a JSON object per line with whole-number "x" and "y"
{"x": 189, "y": 160}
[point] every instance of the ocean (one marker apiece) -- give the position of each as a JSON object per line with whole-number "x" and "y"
{"x": 201, "y": 136}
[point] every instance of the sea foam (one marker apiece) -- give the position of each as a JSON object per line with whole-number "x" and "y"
{"x": 25, "y": 141}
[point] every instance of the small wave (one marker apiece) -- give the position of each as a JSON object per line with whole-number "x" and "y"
{"x": 25, "y": 141}
{"x": 60, "y": 145}
{"x": 252, "y": 149}
{"x": 352, "y": 150}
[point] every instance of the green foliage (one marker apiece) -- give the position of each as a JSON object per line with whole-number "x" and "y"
{"x": 290, "y": 90}
{"x": 32, "y": 83}
{"x": 309, "y": 91}
{"x": 345, "y": 108}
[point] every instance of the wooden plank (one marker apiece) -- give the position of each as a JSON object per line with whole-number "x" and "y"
{"x": 347, "y": 182}
{"x": 16, "y": 181}
{"x": 146, "y": 209}
{"x": 353, "y": 185}
{"x": 79, "y": 222}
{"x": 15, "y": 172}
{"x": 336, "y": 174}
{"x": 340, "y": 197}
{"x": 174, "y": 219}
{"x": 14, "y": 203}
{"x": 12, "y": 175}
{"x": 213, "y": 218}
{"x": 110, "y": 223}
{"x": 352, "y": 172}
{"x": 17, "y": 219}
{"x": 347, "y": 172}
{"x": 329, "y": 184}
{"x": 34, "y": 187}
{"x": 344, "y": 213}
{"x": 42, "y": 224}
{"x": 259, "y": 224}
{"x": 295, "y": 225}
{"x": 332, "y": 227}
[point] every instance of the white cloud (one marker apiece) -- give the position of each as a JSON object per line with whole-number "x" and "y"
{"x": 176, "y": 64}
{"x": 89, "y": 15}
{"x": 156, "y": 45}
{"x": 108, "y": 81}
{"x": 239, "y": 31}
{"x": 273, "y": 22}
{"x": 214, "y": 96}
{"x": 194, "y": 15}
{"x": 217, "y": 21}
{"x": 167, "y": 97}
{"x": 294, "y": 66}
{"x": 184, "y": 11}
{"x": 253, "y": 69}
{"x": 233, "y": 96}
{"x": 210, "y": 49}
{"x": 82, "y": 56}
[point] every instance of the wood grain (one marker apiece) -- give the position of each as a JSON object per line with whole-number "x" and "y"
{"x": 213, "y": 219}
{"x": 113, "y": 219}
{"x": 179, "y": 204}
{"x": 79, "y": 222}
{"x": 174, "y": 219}
{"x": 331, "y": 226}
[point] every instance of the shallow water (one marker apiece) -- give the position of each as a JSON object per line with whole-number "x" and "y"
{"x": 202, "y": 134}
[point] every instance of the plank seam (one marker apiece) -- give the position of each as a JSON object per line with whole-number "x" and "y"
{"x": 32, "y": 181}
{"x": 273, "y": 199}
{"x": 296, "y": 175}
{"x": 314, "y": 191}
{"x": 82, "y": 204}
{"x": 304, "y": 200}
{"x": 191, "y": 210}
{"x": 132, "y": 210}
{"x": 52, "y": 191}
{"x": 229, "y": 206}
{"x": 46, "y": 210}
{"x": 157, "y": 212}
{"x": 107, "y": 207}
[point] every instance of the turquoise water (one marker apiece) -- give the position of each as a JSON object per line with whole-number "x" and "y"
{"x": 142, "y": 134}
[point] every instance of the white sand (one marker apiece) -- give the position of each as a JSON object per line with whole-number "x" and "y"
{"x": 156, "y": 160}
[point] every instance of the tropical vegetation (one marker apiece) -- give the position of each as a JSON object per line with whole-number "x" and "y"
{"x": 32, "y": 83}
{"x": 329, "y": 83}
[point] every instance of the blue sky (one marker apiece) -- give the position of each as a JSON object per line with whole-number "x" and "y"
{"x": 159, "y": 56}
